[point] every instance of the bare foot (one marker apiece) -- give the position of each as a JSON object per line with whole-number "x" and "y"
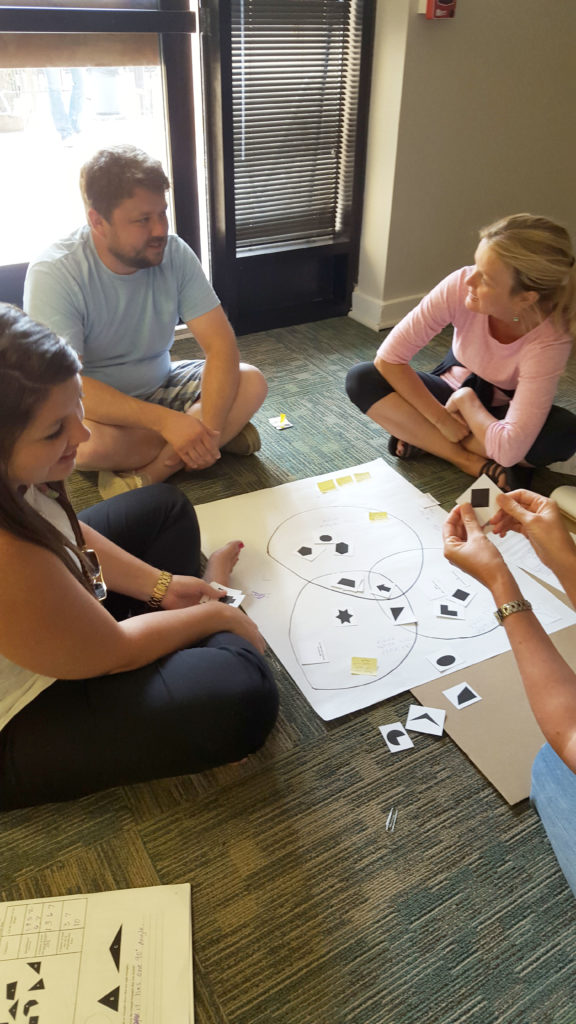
{"x": 220, "y": 564}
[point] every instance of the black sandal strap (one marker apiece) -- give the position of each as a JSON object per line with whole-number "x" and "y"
{"x": 494, "y": 471}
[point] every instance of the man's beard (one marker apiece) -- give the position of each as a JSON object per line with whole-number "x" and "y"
{"x": 142, "y": 262}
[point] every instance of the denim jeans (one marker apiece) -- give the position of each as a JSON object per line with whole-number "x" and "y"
{"x": 554, "y": 797}
{"x": 65, "y": 113}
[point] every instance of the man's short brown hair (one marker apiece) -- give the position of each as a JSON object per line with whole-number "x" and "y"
{"x": 113, "y": 175}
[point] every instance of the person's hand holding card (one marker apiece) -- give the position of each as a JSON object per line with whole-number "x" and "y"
{"x": 483, "y": 496}
{"x": 466, "y": 546}
{"x": 538, "y": 519}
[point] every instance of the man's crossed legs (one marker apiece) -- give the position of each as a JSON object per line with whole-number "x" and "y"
{"x": 132, "y": 457}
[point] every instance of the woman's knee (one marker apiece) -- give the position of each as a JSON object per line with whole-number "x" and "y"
{"x": 355, "y": 385}
{"x": 173, "y": 513}
{"x": 248, "y": 693}
{"x": 171, "y": 500}
{"x": 261, "y": 706}
{"x": 556, "y": 441}
{"x": 365, "y": 386}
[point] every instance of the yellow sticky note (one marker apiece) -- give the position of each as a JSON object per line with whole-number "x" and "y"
{"x": 326, "y": 485}
{"x": 364, "y": 666}
{"x": 282, "y": 418}
{"x": 359, "y": 477}
{"x": 343, "y": 480}
{"x": 376, "y": 516}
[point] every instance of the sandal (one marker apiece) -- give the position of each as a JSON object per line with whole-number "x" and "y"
{"x": 510, "y": 478}
{"x": 410, "y": 450}
{"x": 496, "y": 473}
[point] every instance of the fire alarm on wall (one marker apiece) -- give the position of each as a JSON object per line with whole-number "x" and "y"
{"x": 436, "y": 9}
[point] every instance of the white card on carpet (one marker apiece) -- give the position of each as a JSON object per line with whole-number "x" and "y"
{"x": 396, "y": 737}
{"x": 423, "y": 719}
{"x": 280, "y": 422}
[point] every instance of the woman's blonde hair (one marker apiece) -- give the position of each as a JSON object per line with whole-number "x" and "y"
{"x": 540, "y": 255}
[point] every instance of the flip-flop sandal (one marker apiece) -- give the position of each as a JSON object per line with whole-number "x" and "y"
{"x": 410, "y": 450}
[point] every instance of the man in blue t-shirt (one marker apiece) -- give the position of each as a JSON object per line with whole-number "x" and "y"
{"x": 115, "y": 290}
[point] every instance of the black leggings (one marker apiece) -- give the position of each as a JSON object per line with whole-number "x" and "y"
{"x": 556, "y": 441}
{"x": 197, "y": 708}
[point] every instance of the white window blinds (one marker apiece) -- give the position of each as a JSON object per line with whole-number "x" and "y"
{"x": 295, "y": 73}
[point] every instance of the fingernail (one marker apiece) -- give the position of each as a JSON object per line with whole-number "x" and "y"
{"x": 241, "y": 543}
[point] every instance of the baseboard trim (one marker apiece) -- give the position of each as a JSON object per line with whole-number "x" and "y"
{"x": 376, "y": 314}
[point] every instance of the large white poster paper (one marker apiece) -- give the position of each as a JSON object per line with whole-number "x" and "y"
{"x": 351, "y": 564}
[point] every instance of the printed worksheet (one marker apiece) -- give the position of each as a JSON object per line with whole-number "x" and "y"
{"x": 120, "y": 957}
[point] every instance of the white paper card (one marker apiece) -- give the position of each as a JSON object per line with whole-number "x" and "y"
{"x": 308, "y": 551}
{"x": 344, "y": 617}
{"x": 396, "y": 737}
{"x": 461, "y": 596}
{"x": 423, "y": 719}
{"x": 445, "y": 661}
{"x": 482, "y": 496}
{"x": 400, "y": 613}
{"x": 232, "y": 597}
{"x": 280, "y": 422}
{"x": 462, "y": 695}
{"x": 349, "y": 584}
{"x": 312, "y": 652}
{"x": 448, "y": 609}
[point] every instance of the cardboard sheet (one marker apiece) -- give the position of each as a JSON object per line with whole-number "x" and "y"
{"x": 499, "y": 733}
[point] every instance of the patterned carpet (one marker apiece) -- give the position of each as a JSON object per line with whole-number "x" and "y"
{"x": 306, "y": 911}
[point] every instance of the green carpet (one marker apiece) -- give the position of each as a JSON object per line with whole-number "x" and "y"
{"x": 306, "y": 911}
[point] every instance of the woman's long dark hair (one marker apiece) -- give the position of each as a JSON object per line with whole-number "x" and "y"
{"x": 33, "y": 360}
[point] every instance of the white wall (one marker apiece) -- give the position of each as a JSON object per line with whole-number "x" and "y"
{"x": 471, "y": 119}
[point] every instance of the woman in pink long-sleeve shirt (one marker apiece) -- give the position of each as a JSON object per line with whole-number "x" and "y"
{"x": 488, "y": 406}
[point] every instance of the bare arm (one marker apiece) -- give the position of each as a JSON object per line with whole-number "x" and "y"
{"x": 408, "y": 385}
{"x": 51, "y": 625}
{"x": 105, "y": 404}
{"x": 465, "y": 402}
{"x": 126, "y": 574}
{"x": 221, "y": 376}
{"x": 549, "y": 681}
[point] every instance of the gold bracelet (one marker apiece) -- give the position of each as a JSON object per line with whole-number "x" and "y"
{"x": 157, "y": 595}
{"x": 510, "y": 607}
